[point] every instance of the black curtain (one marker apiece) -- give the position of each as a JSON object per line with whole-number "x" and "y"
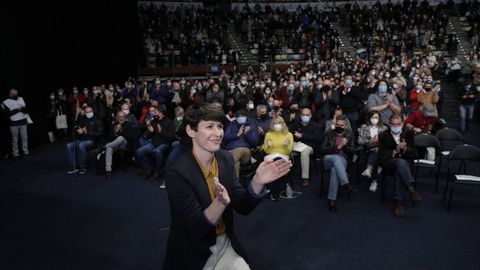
{"x": 51, "y": 44}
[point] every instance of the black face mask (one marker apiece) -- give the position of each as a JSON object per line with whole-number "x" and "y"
{"x": 339, "y": 130}
{"x": 14, "y": 97}
{"x": 263, "y": 116}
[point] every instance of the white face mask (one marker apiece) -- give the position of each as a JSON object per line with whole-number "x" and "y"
{"x": 277, "y": 127}
{"x": 251, "y": 106}
{"x": 126, "y": 111}
{"x": 374, "y": 121}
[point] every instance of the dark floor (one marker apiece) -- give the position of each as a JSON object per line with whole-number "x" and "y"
{"x": 51, "y": 220}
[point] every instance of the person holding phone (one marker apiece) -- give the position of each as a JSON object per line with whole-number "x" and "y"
{"x": 203, "y": 191}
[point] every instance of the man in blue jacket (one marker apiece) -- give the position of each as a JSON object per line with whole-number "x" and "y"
{"x": 240, "y": 136}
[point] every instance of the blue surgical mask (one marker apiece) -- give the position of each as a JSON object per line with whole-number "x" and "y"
{"x": 304, "y": 83}
{"x": 241, "y": 120}
{"x": 349, "y": 82}
{"x": 305, "y": 118}
{"x": 396, "y": 130}
{"x": 89, "y": 115}
{"x": 382, "y": 89}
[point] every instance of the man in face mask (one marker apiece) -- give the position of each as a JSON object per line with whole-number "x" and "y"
{"x": 159, "y": 92}
{"x": 387, "y": 104}
{"x": 179, "y": 113}
{"x": 306, "y": 133}
{"x": 88, "y": 131}
{"x": 338, "y": 146}
{"x": 15, "y": 107}
{"x": 121, "y": 135}
{"x": 129, "y": 117}
{"x": 262, "y": 120}
{"x": 396, "y": 155}
{"x": 240, "y": 136}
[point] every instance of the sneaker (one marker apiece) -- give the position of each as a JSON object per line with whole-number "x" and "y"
{"x": 367, "y": 173}
{"x": 82, "y": 171}
{"x": 162, "y": 184}
{"x": 72, "y": 170}
{"x": 373, "y": 186}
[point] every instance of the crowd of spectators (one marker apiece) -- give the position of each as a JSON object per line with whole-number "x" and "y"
{"x": 469, "y": 12}
{"x": 190, "y": 36}
{"x": 401, "y": 27}
{"x": 184, "y": 36}
{"x": 272, "y": 34}
{"x": 335, "y": 97}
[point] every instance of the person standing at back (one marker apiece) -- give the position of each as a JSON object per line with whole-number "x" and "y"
{"x": 16, "y": 109}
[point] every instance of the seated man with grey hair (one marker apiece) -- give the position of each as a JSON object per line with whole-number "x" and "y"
{"x": 262, "y": 120}
{"x": 121, "y": 135}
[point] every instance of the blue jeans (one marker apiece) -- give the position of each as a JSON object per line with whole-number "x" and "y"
{"x": 143, "y": 141}
{"x": 82, "y": 147}
{"x": 372, "y": 159}
{"x": 177, "y": 150}
{"x": 338, "y": 173}
{"x": 466, "y": 111}
{"x": 142, "y": 155}
{"x": 403, "y": 176}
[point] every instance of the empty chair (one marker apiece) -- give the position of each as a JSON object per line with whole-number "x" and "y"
{"x": 424, "y": 141}
{"x": 448, "y": 138}
{"x": 463, "y": 154}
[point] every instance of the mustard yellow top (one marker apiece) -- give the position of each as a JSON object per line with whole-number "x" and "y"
{"x": 210, "y": 174}
{"x": 278, "y": 139}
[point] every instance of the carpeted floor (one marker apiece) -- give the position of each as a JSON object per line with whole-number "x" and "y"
{"x": 51, "y": 220}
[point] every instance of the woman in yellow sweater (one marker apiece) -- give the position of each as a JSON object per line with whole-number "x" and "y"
{"x": 278, "y": 143}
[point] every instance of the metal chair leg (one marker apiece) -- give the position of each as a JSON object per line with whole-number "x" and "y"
{"x": 415, "y": 178}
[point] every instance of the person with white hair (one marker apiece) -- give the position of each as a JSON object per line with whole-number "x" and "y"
{"x": 15, "y": 108}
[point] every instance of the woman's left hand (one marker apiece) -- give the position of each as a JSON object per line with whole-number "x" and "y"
{"x": 269, "y": 171}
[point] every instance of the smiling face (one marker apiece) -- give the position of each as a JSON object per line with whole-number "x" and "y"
{"x": 207, "y": 137}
